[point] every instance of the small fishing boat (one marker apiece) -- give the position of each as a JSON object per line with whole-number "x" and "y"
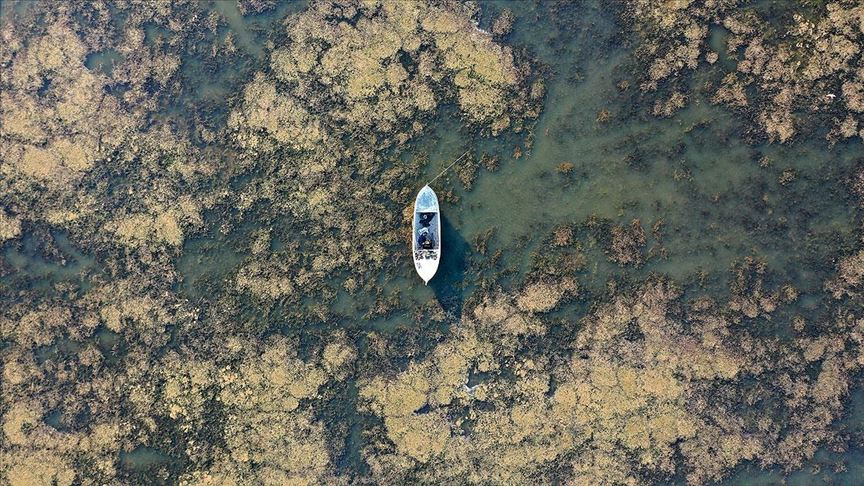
{"x": 426, "y": 234}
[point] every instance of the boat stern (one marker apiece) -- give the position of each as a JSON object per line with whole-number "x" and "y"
{"x": 426, "y": 268}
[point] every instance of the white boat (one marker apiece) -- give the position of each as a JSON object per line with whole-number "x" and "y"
{"x": 426, "y": 234}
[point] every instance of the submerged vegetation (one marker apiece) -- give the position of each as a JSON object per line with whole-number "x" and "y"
{"x": 203, "y": 219}
{"x": 787, "y": 70}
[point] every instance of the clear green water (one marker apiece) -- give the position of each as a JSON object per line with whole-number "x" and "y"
{"x": 695, "y": 172}
{"x": 144, "y": 458}
{"x": 65, "y": 263}
{"x": 103, "y": 61}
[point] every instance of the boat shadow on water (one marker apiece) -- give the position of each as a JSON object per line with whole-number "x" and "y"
{"x": 449, "y": 282}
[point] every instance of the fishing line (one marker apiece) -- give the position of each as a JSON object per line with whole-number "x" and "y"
{"x": 448, "y": 167}
{"x": 445, "y": 170}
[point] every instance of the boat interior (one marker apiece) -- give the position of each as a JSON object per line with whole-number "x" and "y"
{"x": 427, "y": 231}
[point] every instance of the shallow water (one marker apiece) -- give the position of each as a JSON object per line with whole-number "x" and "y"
{"x": 695, "y": 173}
{"x": 31, "y": 268}
{"x": 716, "y": 196}
{"x": 103, "y": 61}
{"x": 143, "y": 459}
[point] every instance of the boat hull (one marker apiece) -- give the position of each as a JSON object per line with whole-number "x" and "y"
{"x": 426, "y": 234}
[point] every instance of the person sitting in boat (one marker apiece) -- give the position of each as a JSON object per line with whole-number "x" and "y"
{"x": 426, "y": 219}
{"x": 425, "y": 240}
